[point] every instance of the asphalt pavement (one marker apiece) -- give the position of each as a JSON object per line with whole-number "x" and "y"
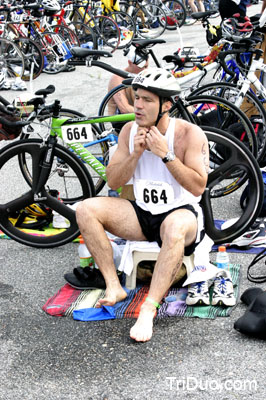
{"x": 48, "y": 358}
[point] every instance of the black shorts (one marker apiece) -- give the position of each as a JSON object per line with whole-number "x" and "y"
{"x": 150, "y": 224}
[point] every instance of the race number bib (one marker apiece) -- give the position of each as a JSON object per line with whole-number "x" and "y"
{"x": 154, "y": 192}
{"x": 77, "y": 133}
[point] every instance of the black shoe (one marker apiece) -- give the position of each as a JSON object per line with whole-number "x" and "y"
{"x": 85, "y": 278}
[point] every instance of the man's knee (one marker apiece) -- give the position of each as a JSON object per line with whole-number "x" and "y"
{"x": 85, "y": 210}
{"x": 172, "y": 236}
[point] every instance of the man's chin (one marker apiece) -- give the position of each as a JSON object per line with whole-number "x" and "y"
{"x": 142, "y": 123}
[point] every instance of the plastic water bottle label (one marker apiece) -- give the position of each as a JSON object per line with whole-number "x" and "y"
{"x": 223, "y": 265}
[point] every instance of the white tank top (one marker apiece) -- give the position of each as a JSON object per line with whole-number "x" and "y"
{"x": 155, "y": 188}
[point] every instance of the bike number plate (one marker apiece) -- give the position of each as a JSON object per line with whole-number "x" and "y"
{"x": 77, "y": 133}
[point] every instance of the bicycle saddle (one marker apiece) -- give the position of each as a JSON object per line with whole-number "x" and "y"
{"x": 143, "y": 43}
{"x": 203, "y": 14}
{"x": 44, "y": 92}
{"x": 253, "y": 322}
{"x": 83, "y": 52}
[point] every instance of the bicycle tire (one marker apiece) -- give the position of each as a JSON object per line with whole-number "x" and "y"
{"x": 224, "y": 114}
{"x": 229, "y": 91}
{"x": 21, "y": 194}
{"x": 69, "y": 35}
{"x": 32, "y": 55}
{"x": 175, "y": 11}
{"x": 103, "y": 110}
{"x": 126, "y": 26}
{"x": 11, "y": 58}
{"x": 154, "y": 23}
{"x": 239, "y": 158}
{"x": 41, "y": 127}
{"x": 85, "y": 34}
{"x": 106, "y": 30}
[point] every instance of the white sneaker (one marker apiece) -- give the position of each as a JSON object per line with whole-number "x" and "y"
{"x": 255, "y": 235}
{"x": 60, "y": 222}
{"x": 198, "y": 294}
{"x": 223, "y": 291}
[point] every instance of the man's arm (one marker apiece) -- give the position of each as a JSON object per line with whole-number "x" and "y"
{"x": 123, "y": 164}
{"x": 120, "y": 98}
{"x": 192, "y": 172}
{"x": 263, "y": 6}
{"x": 122, "y": 102}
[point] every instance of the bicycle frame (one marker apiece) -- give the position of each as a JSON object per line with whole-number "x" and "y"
{"x": 78, "y": 148}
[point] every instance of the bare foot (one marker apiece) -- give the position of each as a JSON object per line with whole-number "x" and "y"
{"x": 142, "y": 330}
{"x": 112, "y": 296}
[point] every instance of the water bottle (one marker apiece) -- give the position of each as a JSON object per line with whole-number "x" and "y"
{"x": 85, "y": 257}
{"x": 86, "y": 260}
{"x": 222, "y": 258}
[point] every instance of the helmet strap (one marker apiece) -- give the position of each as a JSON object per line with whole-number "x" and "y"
{"x": 160, "y": 114}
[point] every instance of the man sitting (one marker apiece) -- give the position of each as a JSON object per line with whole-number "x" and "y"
{"x": 168, "y": 161}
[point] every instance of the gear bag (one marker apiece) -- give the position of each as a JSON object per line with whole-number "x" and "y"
{"x": 8, "y": 132}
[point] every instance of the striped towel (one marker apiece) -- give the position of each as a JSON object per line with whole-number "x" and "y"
{"x": 67, "y": 299}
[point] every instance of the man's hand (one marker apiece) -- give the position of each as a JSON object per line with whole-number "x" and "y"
{"x": 140, "y": 140}
{"x": 156, "y": 142}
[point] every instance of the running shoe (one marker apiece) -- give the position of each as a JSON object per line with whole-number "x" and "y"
{"x": 198, "y": 294}
{"x": 223, "y": 291}
{"x": 255, "y": 236}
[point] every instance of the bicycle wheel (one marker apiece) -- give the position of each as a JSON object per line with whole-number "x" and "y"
{"x": 68, "y": 176}
{"x": 126, "y": 26}
{"x": 150, "y": 21}
{"x": 250, "y": 105}
{"x": 33, "y": 57}
{"x": 40, "y": 128}
{"x": 106, "y": 30}
{"x": 85, "y": 34}
{"x": 11, "y": 59}
{"x": 175, "y": 14}
{"x": 238, "y": 160}
{"x": 69, "y": 35}
{"x": 108, "y": 107}
{"x": 219, "y": 113}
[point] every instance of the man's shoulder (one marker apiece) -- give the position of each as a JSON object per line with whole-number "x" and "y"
{"x": 188, "y": 130}
{"x": 114, "y": 81}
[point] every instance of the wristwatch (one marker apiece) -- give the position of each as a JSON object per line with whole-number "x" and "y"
{"x": 170, "y": 156}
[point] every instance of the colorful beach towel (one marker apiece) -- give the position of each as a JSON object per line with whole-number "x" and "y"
{"x": 72, "y": 302}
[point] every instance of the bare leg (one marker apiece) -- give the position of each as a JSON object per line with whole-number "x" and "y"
{"x": 192, "y": 6}
{"x": 176, "y": 233}
{"x": 201, "y": 6}
{"x": 117, "y": 216}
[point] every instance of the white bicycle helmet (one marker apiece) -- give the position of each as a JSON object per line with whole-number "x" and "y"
{"x": 235, "y": 30}
{"x": 158, "y": 81}
{"x": 51, "y": 5}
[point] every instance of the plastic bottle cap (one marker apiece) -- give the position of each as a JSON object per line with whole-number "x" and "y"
{"x": 81, "y": 240}
{"x": 222, "y": 248}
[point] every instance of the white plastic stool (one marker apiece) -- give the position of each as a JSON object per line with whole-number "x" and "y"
{"x": 139, "y": 256}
